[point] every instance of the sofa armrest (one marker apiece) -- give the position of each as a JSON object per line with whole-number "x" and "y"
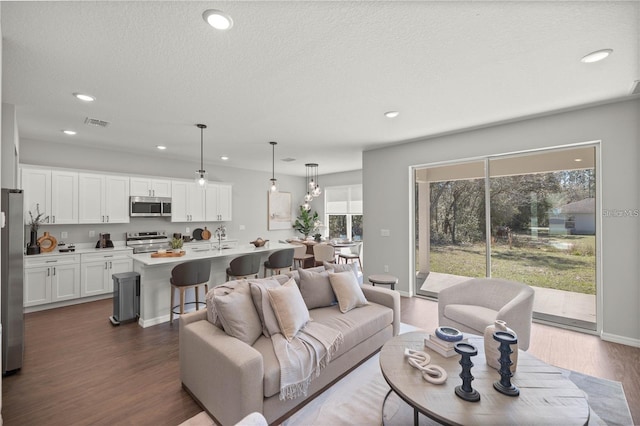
{"x": 517, "y": 314}
{"x": 385, "y": 297}
{"x": 223, "y": 373}
{"x": 194, "y": 316}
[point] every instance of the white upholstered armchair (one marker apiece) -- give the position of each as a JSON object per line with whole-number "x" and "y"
{"x": 473, "y": 305}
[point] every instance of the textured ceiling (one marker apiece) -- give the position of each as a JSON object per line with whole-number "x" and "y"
{"x": 314, "y": 76}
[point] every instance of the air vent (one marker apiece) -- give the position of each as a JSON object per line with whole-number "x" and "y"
{"x": 95, "y": 122}
{"x": 288, "y": 159}
{"x": 635, "y": 88}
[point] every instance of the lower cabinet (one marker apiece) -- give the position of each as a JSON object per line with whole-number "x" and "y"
{"x": 97, "y": 269}
{"x": 51, "y": 279}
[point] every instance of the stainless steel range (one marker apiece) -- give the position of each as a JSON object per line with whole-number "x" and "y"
{"x": 148, "y": 242}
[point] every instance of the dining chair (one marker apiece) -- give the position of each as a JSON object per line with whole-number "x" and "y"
{"x": 353, "y": 255}
{"x": 324, "y": 252}
{"x": 300, "y": 255}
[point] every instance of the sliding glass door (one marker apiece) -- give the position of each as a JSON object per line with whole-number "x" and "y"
{"x": 542, "y": 228}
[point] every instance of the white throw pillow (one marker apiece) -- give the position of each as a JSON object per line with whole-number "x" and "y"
{"x": 238, "y": 315}
{"x": 289, "y": 307}
{"x": 347, "y": 290}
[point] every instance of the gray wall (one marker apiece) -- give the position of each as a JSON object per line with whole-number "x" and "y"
{"x": 10, "y": 146}
{"x": 249, "y": 190}
{"x": 616, "y": 125}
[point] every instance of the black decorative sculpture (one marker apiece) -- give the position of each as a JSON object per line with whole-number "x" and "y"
{"x": 504, "y": 385}
{"x": 466, "y": 392}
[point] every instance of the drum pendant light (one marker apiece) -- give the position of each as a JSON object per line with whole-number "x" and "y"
{"x": 272, "y": 186}
{"x": 201, "y": 175}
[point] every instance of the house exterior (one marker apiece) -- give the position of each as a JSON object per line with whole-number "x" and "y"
{"x": 576, "y": 218}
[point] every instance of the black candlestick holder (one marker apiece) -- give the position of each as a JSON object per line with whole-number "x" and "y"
{"x": 466, "y": 392}
{"x": 504, "y": 385}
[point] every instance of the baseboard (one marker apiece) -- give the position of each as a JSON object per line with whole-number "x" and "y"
{"x": 155, "y": 321}
{"x": 70, "y": 302}
{"x": 620, "y": 339}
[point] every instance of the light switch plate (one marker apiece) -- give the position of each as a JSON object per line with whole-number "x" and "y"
{"x": 385, "y": 233}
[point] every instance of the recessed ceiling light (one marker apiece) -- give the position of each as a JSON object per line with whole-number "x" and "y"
{"x": 391, "y": 114}
{"x": 596, "y": 56}
{"x": 84, "y": 97}
{"x": 577, "y": 160}
{"x": 217, "y": 19}
{"x": 161, "y": 147}
{"x": 224, "y": 158}
{"x": 69, "y": 132}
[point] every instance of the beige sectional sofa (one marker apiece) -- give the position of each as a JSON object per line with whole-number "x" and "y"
{"x": 230, "y": 378}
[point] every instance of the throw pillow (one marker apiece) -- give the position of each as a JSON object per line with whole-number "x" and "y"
{"x": 238, "y": 315}
{"x": 263, "y": 307}
{"x": 347, "y": 290}
{"x": 316, "y": 289}
{"x": 212, "y": 313}
{"x": 342, "y": 267}
{"x": 289, "y": 307}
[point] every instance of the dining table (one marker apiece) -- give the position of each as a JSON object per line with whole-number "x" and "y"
{"x": 337, "y": 244}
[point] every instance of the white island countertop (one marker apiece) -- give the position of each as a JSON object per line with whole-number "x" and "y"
{"x": 147, "y": 260}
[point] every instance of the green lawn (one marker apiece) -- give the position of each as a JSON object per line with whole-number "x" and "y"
{"x": 561, "y": 262}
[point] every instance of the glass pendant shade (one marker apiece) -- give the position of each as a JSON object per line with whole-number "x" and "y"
{"x": 308, "y": 197}
{"x": 201, "y": 178}
{"x": 272, "y": 186}
{"x": 316, "y": 191}
{"x": 306, "y": 206}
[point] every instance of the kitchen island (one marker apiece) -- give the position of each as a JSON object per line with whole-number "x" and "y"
{"x": 155, "y": 272}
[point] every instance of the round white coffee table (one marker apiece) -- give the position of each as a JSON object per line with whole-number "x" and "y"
{"x": 546, "y": 396}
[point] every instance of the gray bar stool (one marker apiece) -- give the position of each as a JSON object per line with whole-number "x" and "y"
{"x": 383, "y": 279}
{"x": 188, "y": 275}
{"x": 278, "y": 260}
{"x": 244, "y": 266}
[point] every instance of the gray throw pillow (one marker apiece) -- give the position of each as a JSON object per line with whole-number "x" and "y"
{"x": 347, "y": 290}
{"x": 342, "y": 267}
{"x": 289, "y": 307}
{"x": 238, "y": 315}
{"x": 316, "y": 290}
{"x": 212, "y": 313}
{"x": 263, "y": 307}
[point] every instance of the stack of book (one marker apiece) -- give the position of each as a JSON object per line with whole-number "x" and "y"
{"x": 444, "y": 348}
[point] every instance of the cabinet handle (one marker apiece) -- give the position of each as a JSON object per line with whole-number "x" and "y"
{"x": 54, "y": 271}
{"x": 110, "y": 265}
{"x": 51, "y": 261}
{"x": 106, "y": 265}
{"x": 107, "y": 219}
{"x": 48, "y": 272}
{"x": 53, "y": 219}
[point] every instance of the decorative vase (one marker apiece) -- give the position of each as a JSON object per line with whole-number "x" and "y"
{"x": 491, "y": 347}
{"x": 33, "y": 247}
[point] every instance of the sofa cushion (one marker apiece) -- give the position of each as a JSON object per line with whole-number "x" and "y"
{"x": 289, "y": 307}
{"x": 348, "y": 292}
{"x": 315, "y": 288}
{"x": 356, "y": 326}
{"x": 296, "y": 276}
{"x": 262, "y": 304}
{"x": 476, "y": 317}
{"x": 342, "y": 267}
{"x": 237, "y": 313}
{"x": 212, "y": 313}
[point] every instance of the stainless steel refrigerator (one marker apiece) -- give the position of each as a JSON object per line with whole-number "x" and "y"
{"x": 12, "y": 242}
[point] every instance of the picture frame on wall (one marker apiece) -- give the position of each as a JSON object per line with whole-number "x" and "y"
{"x": 279, "y": 210}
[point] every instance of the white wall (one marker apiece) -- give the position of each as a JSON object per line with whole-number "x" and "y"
{"x": 388, "y": 188}
{"x": 10, "y": 147}
{"x": 249, "y": 190}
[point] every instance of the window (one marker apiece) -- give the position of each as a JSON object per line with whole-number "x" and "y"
{"x": 343, "y": 211}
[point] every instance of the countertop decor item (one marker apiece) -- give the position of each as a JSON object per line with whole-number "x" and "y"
{"x": 176, "y": 243}
{"x": 169, "y": 254}
{"x": 33, "y": 247}
{"x": 259, "y": 242}
{"x": 47, "y": 242}
{"x": 449, "y": 334}
{"x": 491, "y": 351}
{"x": 206, "y": 234}
{"x": 197, "y": 234}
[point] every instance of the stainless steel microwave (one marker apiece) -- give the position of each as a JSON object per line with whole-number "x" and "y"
{"x": 149, "y": 206}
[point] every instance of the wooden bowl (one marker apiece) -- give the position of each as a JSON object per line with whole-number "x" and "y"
{"x": 259, "y": 242}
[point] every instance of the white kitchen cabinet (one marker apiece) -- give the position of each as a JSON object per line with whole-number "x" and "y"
{"x": 54, "y": 192}
{"x": 187, "y": 202}
{"x": 50, "y": 279}
{"x": 103, "y": 198}
{"x": 97, "y": 269}
{"x": 146, "y": 187}
{"x": 218, "y": 202}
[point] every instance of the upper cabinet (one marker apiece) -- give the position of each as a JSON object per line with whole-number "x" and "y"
{"x": 187, "y": 202}
{"x": 103, "y": 198}
{"x": 145, "y": 187}
{"x": 53, "y": 192}
{"x": 218, "y": 202}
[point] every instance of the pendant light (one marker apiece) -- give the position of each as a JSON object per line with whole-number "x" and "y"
{"x": 309, "y": 184}
{"x": 316, "y": 188}
{"x": 273, "y": 187}
{"x": 201, "y": 175}
{"x": 312, "y": 182}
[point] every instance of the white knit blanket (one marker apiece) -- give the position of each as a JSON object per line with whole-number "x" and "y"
{"x": 302, "y": 359}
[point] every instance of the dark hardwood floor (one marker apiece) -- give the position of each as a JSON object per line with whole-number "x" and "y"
{"x": 80, "y": 370}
